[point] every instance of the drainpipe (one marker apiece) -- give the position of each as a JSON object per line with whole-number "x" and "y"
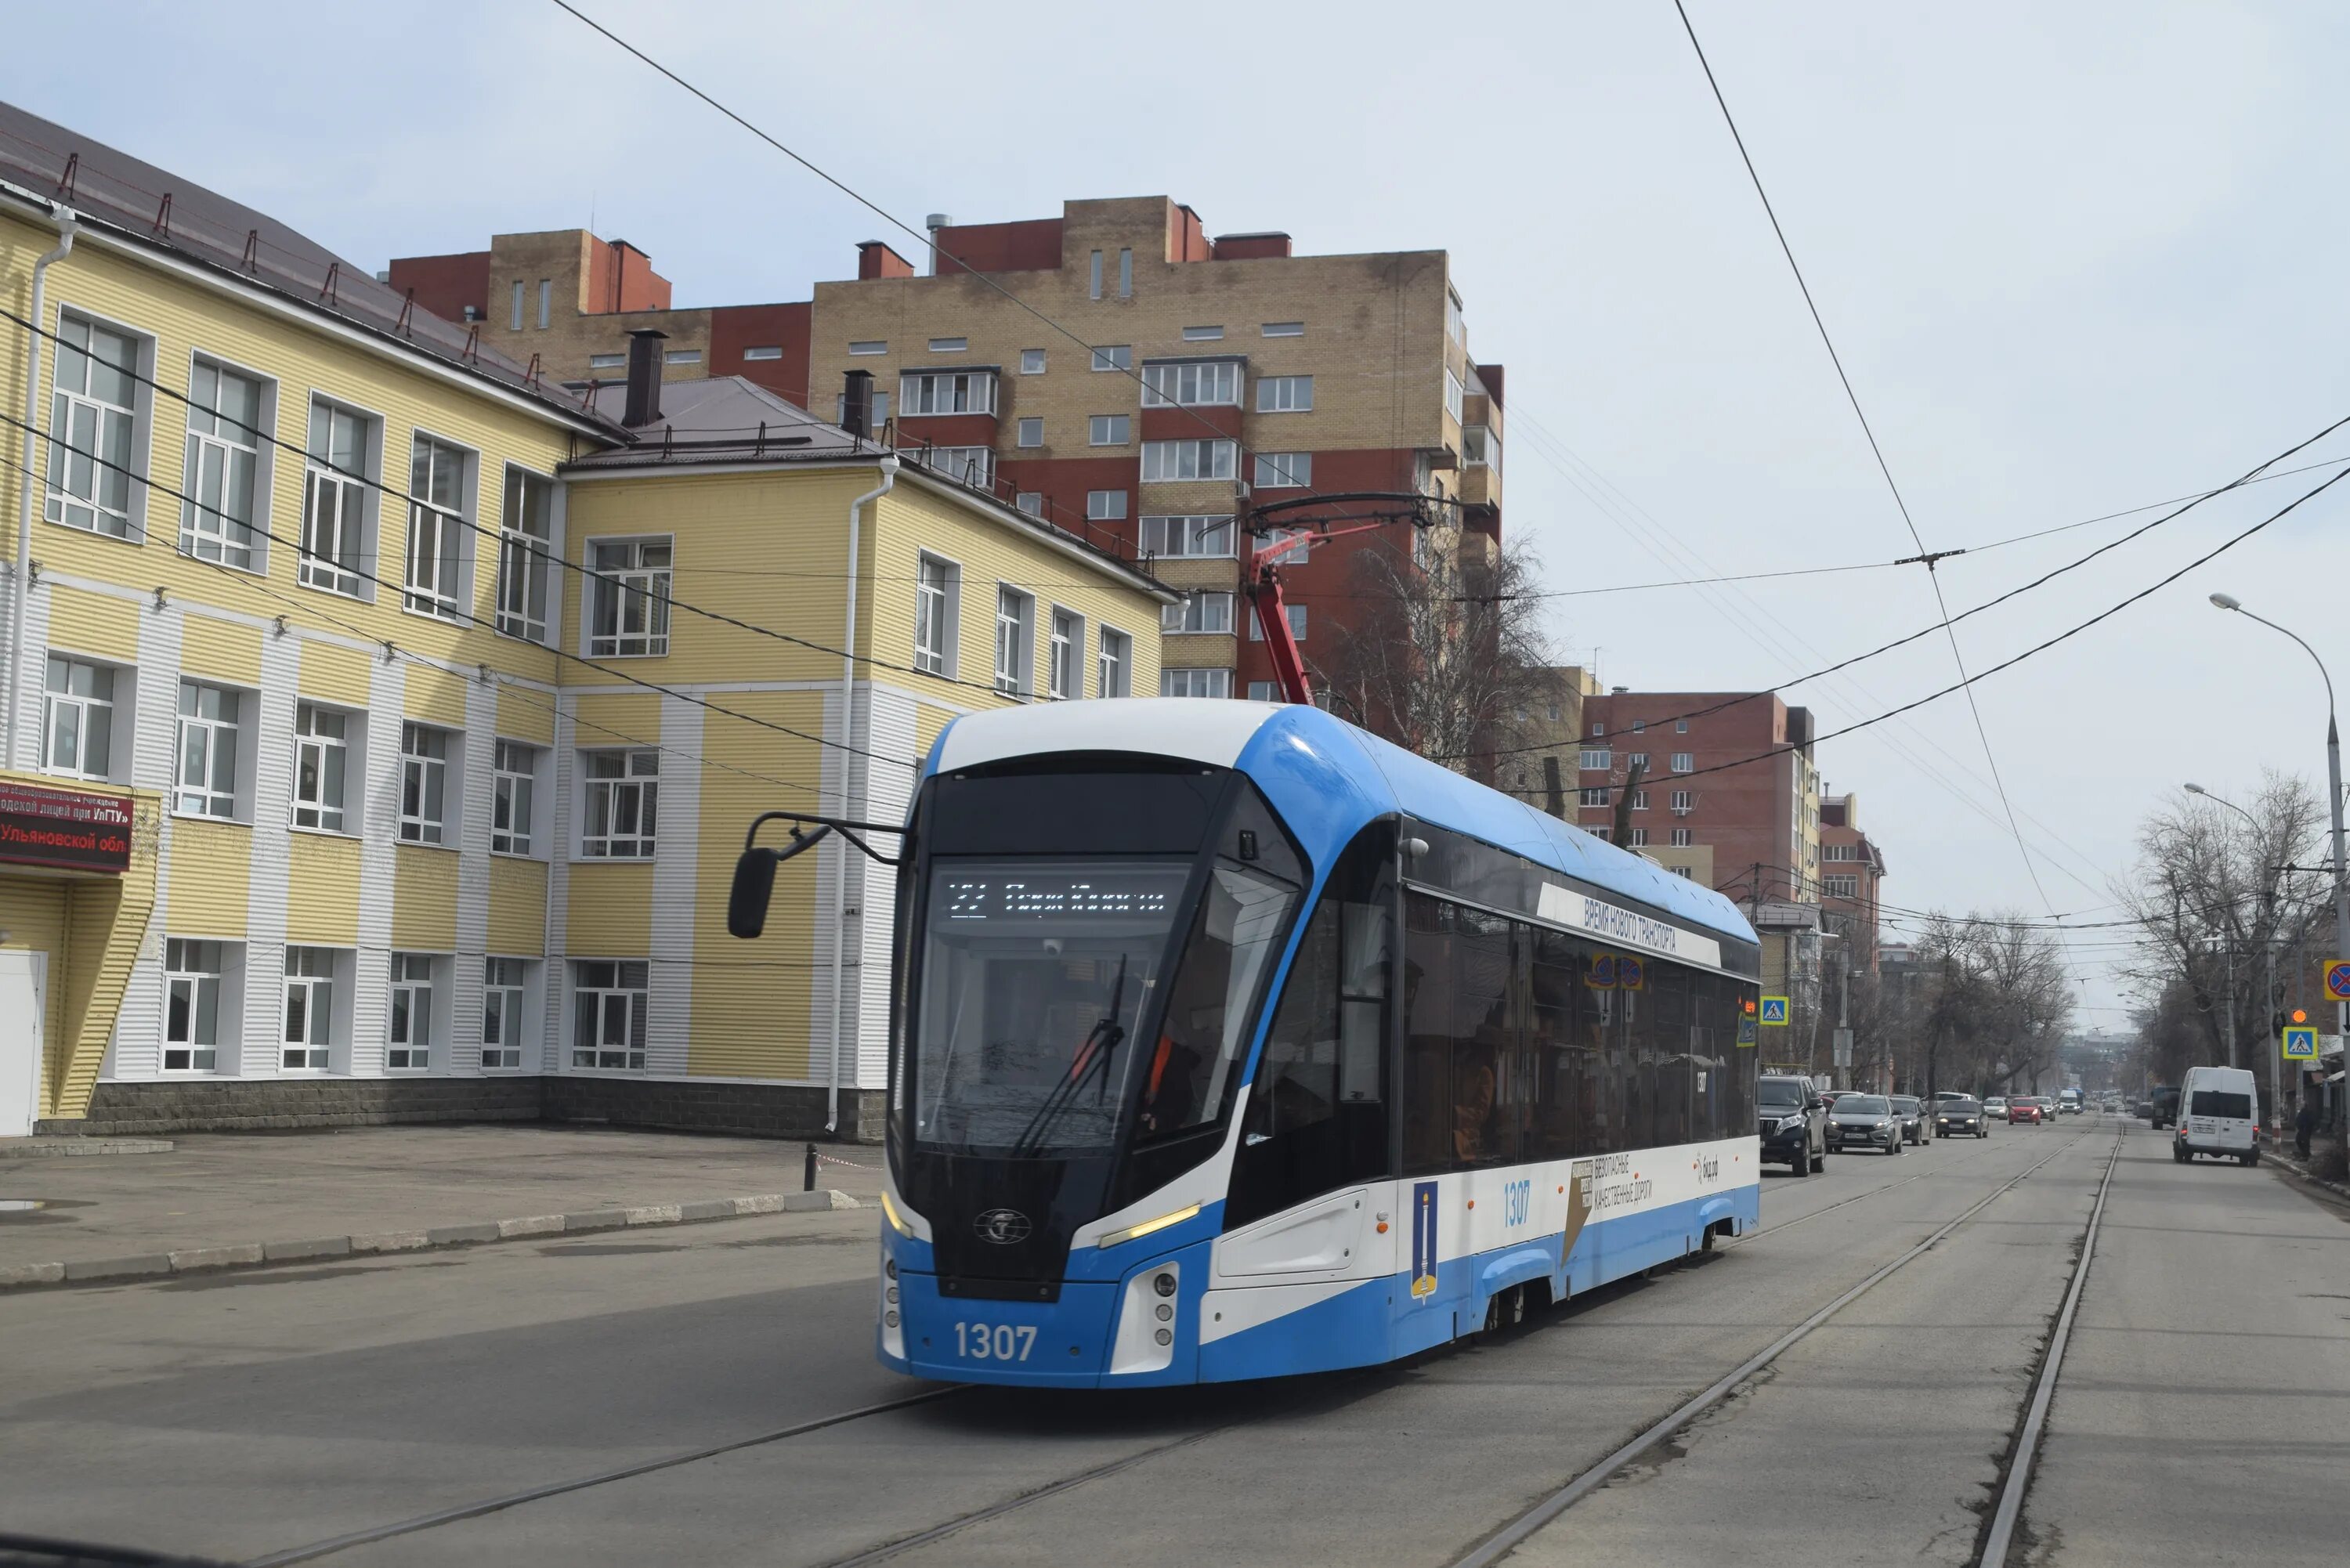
{"x": 841, "y": 851}
{"x": 18, "y": 586}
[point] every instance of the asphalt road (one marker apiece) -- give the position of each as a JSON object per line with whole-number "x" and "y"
{"x": 2200, "y": 1415}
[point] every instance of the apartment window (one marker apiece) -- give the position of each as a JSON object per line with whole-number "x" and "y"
{"x": 1680, "y": 726}
{"x": 93, "y": 428}
{"x": 1186, "y": 535}
{"x": 1598, "y": 759}
{"x": 206, "y": 770}
{"x": 1202, "y": 334}
{"x": 520, "y": 292}
{"x": 1264, "y": 691}
{"x": 222, "y": 482}
{"x": 423, "y": 784}
{"x": 192, "y": 1005}
{"x": 1295, "y": 553}
{"x": 1845, "y": 887}
{"x": 1031, "y": 502}
{"x": 869, "y": 346}
{"x": 1597, "y": 728}
{"x": 78, "y": 719}
{"x": 946, "y": 392}
{"x": 763, "y": 351}
{"x": 526, "y": 555}
{"x": 1126, "y": 274}
{"x": 1285, "y": 329}
{"x": 1113, "y": 665}
{"x": 1014, "y": 613}
{"x": 608, "y": 361}
{"x": 1681, "y": 838}
{"x": 1640, "y": 800}
{"x": 683, "y": 356}
{"x": 1284, "y": 394}
{"x": 1681, "y": 762}
{"x": 876, "y": 413}
{"x": 1284, "y": 470}
{"x": 408, "y": 1035}
{"x": 1106, "y": 505}
{"x": 628, "y": 593}
{"x": 322, "y": 750}
{"x": 1639, "y": 726}
{"x": 965, "y": 464}
{"x": 1296, "y": 625}
{"x": 1599, "y": 832}
{"x": 1195, "y": 683}
{"x": 506, "y": 1005}
{"x": 436, "y": 529}
{"x": 608, "y": 1003}
{"x": 1208, "y": 458}
{"x": 1453, "y": 392}
{"x": 1032, "y": 362}
{"x": 1453, "y": 326}
{"x": 1062, "y": 651}
{"x": 1596, "y": 796}
{"x": 545, "y": 303}
{"x": 1480, "y": 447}
{"x": 1117, "y": 357}
{"x": 1840, "y": 851}
{"x": 623, "y": 801}
{"x": 1032, "y": 433}
{"x": 1198, "y": 612}
{"x": 936, "y": 585}
{"x": 1637, "y": 760}
{"x": 306, "y": 1042}
{"x": 1109, "y": 429}
{"x": 335, "y": 499}
{"x": 949, "y": 345}
{"x": 1214, "y": 383}
{"x": 514, "y": 797}
{"x": 1683, "y": 871}
{"x": 1684, "y": 802}
{"x": 1094, "y": 277}
{"x": 1639, "y": 838}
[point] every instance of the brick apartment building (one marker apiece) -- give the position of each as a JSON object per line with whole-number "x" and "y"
{"x": 1202, "y": 372}
{"x": 1852, "y": 868}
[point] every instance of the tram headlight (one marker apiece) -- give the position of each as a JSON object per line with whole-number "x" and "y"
{"x": 889, "y": 1267}
{"x": 1165, "y": 1336}
{"x": 1164, "y": 1284}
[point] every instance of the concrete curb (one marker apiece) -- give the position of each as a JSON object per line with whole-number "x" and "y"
{"x": 265, "y": 1254}
{"x": 67, "y": 1147}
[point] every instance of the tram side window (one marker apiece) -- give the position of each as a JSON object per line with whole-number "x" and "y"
{"x": 1316, "y": 1118}
{"x": 1488, "y": 1082}
{"x": 1671, "y": 1068}
{"x": 1743, "y": 1069}
{"x": 1624, "y": 1026}
{"x": 1568, "y": 1056}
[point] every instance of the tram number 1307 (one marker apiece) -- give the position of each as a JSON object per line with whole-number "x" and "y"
{"x": 994, "y": 1342}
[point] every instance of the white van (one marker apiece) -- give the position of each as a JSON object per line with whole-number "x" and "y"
{"x": 2218, "y": 1112}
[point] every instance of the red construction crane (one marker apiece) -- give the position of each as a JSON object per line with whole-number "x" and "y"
{"x": 1263, "y": 581}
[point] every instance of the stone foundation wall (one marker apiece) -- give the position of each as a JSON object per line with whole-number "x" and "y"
{"x": 769, "y": 1110}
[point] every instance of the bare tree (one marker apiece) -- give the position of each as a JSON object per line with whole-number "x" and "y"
{"x": 1988, "y": 1009}
{"x": 1448, "y": 656}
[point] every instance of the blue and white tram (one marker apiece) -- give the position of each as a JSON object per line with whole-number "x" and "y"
{"x": 1229, "y": 1041}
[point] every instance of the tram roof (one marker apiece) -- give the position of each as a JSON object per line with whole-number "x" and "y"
{"x": 1220, "y": 733}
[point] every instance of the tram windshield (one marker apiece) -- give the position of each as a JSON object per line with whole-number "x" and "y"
{"x": 1039, "y": 978}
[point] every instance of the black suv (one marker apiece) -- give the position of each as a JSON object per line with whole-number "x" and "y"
{"x": 1794, "y": 1123}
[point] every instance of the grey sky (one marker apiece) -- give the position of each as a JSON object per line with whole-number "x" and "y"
{"x": 2075, "y": 259}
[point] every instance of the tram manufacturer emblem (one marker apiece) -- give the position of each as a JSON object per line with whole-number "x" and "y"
{"x": 1002, "y": 1227}
{"x": 1423, "y": 1239}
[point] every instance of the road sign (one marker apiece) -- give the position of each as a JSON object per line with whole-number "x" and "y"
{"x": 2301, "y": 1042}
{"x": 1774, "y": 1011}
{"x": 1600, "y": 973}
{"x": 1745, "y": 1031}
{"x": 2337, "y": 979}
{"x": 1628, "y": 973}
{"x": 1843, "y": 1046}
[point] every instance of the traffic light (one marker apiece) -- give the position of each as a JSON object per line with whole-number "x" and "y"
{"x": 1748, "y": 1004}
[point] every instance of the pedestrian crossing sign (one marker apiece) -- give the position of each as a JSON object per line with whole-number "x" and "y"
{"x": 1774, "y": 1011}
{"x": 2301, "y": 1042}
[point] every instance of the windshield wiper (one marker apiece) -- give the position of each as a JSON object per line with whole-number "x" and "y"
{"x": 1092, "y": 1059}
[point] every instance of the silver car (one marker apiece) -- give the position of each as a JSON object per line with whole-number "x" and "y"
{"x": 1912, "y": 1114}
{"x": 1864, "y": 1121}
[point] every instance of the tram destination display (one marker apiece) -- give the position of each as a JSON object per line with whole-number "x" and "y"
{"x": 1031, "y": 892}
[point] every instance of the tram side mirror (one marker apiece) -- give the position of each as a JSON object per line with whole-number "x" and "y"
{"x": 754, "y": 883}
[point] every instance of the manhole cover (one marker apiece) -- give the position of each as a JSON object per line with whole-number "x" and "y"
{"x": 19, "y": 1205}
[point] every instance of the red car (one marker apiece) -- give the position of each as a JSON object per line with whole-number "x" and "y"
{"x": 2025, "y": 1111}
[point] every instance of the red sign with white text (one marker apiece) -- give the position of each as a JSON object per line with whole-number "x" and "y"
{"x": 65, "y": 828}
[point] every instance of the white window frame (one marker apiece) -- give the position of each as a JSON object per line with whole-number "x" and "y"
{"x": 625, "y": 587}
{"x": 1455, "y": 394}
{"x": 506, "y": 1031}
{"x": 1283, "y": 329}
{"x": 1201, "y": 457}
{"x": 1114, "y": 357}
{"x": 439, "y": 535}
{"x": 1188, "y": 536}
{"x": 1198, "y": 611}
{"x": 1113, "y": 663}
{"x": 1596, "y": 759}
{"x": 1684, "y": 802}
{"x": 1125, "y": 273}
{"x": 205, "y": 795}
{"x": 410, "y": 1011}
{"x": 513, "y": 796}
{"x": 923, "y": 392}
{"x": 938, "y": 605}
{"x": 1204, "y": 334}
{"x": 1480, "y": 447}
{"x": 313, "y": 973}
{"x": 1284, "y": 394}
{"x": 1291, "y": 547}
{"x": 520, "y": 294}
{"x": 1636, "y": 760}
{"x": 92, "y": 713}
{"x": 1683, "y": 763}
{"x": 1192, "y": 384}
{"x": 1594, "y": 795}
{"x": 1180, "y": 681}
{"x": 219, "y": 447}
{"x": 972, "y": 465}
{"x": 860, "y": 347}
{"x": 323, "y": 748}
{"x": 1680, "y": 726}
{"x": 1681, "y": 838}
{"x": 425, "y": 777}
{"x": 527, "y": 605}
{"x": 1639, "y": 838}
{"x": 1840, "y": 885}
{"x": 1031, "y": 502}
{"x": 949, "y": 345}
{"x": 1284, "y": 471}
{"x": 1105, "y": 506}
{"x": 1015, "y": 633}
{"x": 1109, "y": 429}
{"x": 763, "y": 351}
{"x": 101, "y": 462}
{"x": 1030, "y": 431}
{"x": 1032, "y": 362}
{"x": 336, "y": 553}
{"x": 1640, "y": 800}
{"x": 195, "y": 970}
{"x": 635, "y": 787}
{"x": 1064, "y": 655}
{"x": 608, "y": 361}
{"x": 1297, "y": 622}
{"x": 605, "y": 991}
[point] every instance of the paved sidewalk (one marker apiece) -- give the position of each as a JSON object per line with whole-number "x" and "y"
{"x": 229, "y": 1198}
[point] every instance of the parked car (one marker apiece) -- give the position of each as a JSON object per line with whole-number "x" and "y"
{"x": 1794, "y": 1123}
{"x": 2219, "y": 1116}
{"x": 1960, "y": 1117}
{"x": 1864, "y": 1121}
{"x": 2025, "y": 1110}
{"x": 1912, "y": 1112}
{"x": 1996, "y": 1107}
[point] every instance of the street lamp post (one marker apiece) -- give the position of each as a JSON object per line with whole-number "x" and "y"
{"x": 2332, "y": 800}
{"x": 2268, "y": 902}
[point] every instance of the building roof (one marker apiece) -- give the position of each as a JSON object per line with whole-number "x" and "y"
{"x": 155, "y": 210}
